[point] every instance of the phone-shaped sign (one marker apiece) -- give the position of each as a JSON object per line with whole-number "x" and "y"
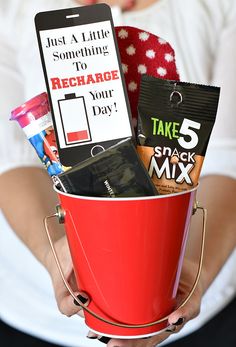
{"x": 84, "y": 79}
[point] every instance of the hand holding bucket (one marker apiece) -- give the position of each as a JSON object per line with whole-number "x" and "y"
{"x": 127, "y": 255}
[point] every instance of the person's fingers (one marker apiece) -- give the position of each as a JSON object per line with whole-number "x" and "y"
{"x": 68, "y": 306}
{"x": 149, "y": 341}
{"x": 84, "y": 299}
{"x": 65, "y": 302}
{"x": 192, "y": 307}
{"x": 171, "y": 329}
{"x": 189, "y": 311}
{"x": 92, "y": 335}
{"x": 104, "y": 339}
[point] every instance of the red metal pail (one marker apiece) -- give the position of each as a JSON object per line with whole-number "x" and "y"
{"x": 127, "y": 255}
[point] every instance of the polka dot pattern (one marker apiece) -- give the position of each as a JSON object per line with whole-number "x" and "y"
{"x": 169, "y": 57}
{"x": 131, "y": 50}
{"x": 123, "y": 34}
{"x": 144, "y": 36}
{"x": 150, "y": 53}
{"x": 143, "y": 53}
{"x": 161, "y": 71}
{"x": 142, "y": 69}
{"x": 132, "y": 86}
{"x": 125, "y": 68}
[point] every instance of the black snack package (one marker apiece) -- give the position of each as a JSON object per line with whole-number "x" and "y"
{"x": 115, "y": 172}
{"x": 174, "y": 126}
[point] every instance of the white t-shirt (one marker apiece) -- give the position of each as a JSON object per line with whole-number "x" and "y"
{"x": 203, "y": 34}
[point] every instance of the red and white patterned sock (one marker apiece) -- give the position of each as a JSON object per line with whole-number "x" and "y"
{"x": 142, "y": 52}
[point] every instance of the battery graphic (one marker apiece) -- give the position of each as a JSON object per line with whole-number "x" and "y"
{"x": 74, "y": 119}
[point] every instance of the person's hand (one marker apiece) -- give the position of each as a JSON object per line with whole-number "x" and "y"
{"x": 65, "y": 301}
{"x": 177, "y": 319}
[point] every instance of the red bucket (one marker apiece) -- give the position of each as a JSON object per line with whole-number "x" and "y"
{"x": 127, "y": 255}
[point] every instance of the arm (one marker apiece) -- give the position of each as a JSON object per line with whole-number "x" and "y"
{"x": 216, "y": 193}
{"x": 26, "y": 194}
{"x": 26, "y": 198}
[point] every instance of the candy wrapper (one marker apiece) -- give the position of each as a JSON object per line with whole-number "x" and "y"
{"x": 35, "y": 119}
{"x": 116, "y": 172}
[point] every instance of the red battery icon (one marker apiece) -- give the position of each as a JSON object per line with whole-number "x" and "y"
{"x": 74, "y": 119}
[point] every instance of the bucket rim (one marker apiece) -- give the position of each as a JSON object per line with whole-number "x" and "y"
{"x": 141, "y": 198}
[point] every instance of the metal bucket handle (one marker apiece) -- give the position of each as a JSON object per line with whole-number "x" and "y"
{"x": 60, "y": 214}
